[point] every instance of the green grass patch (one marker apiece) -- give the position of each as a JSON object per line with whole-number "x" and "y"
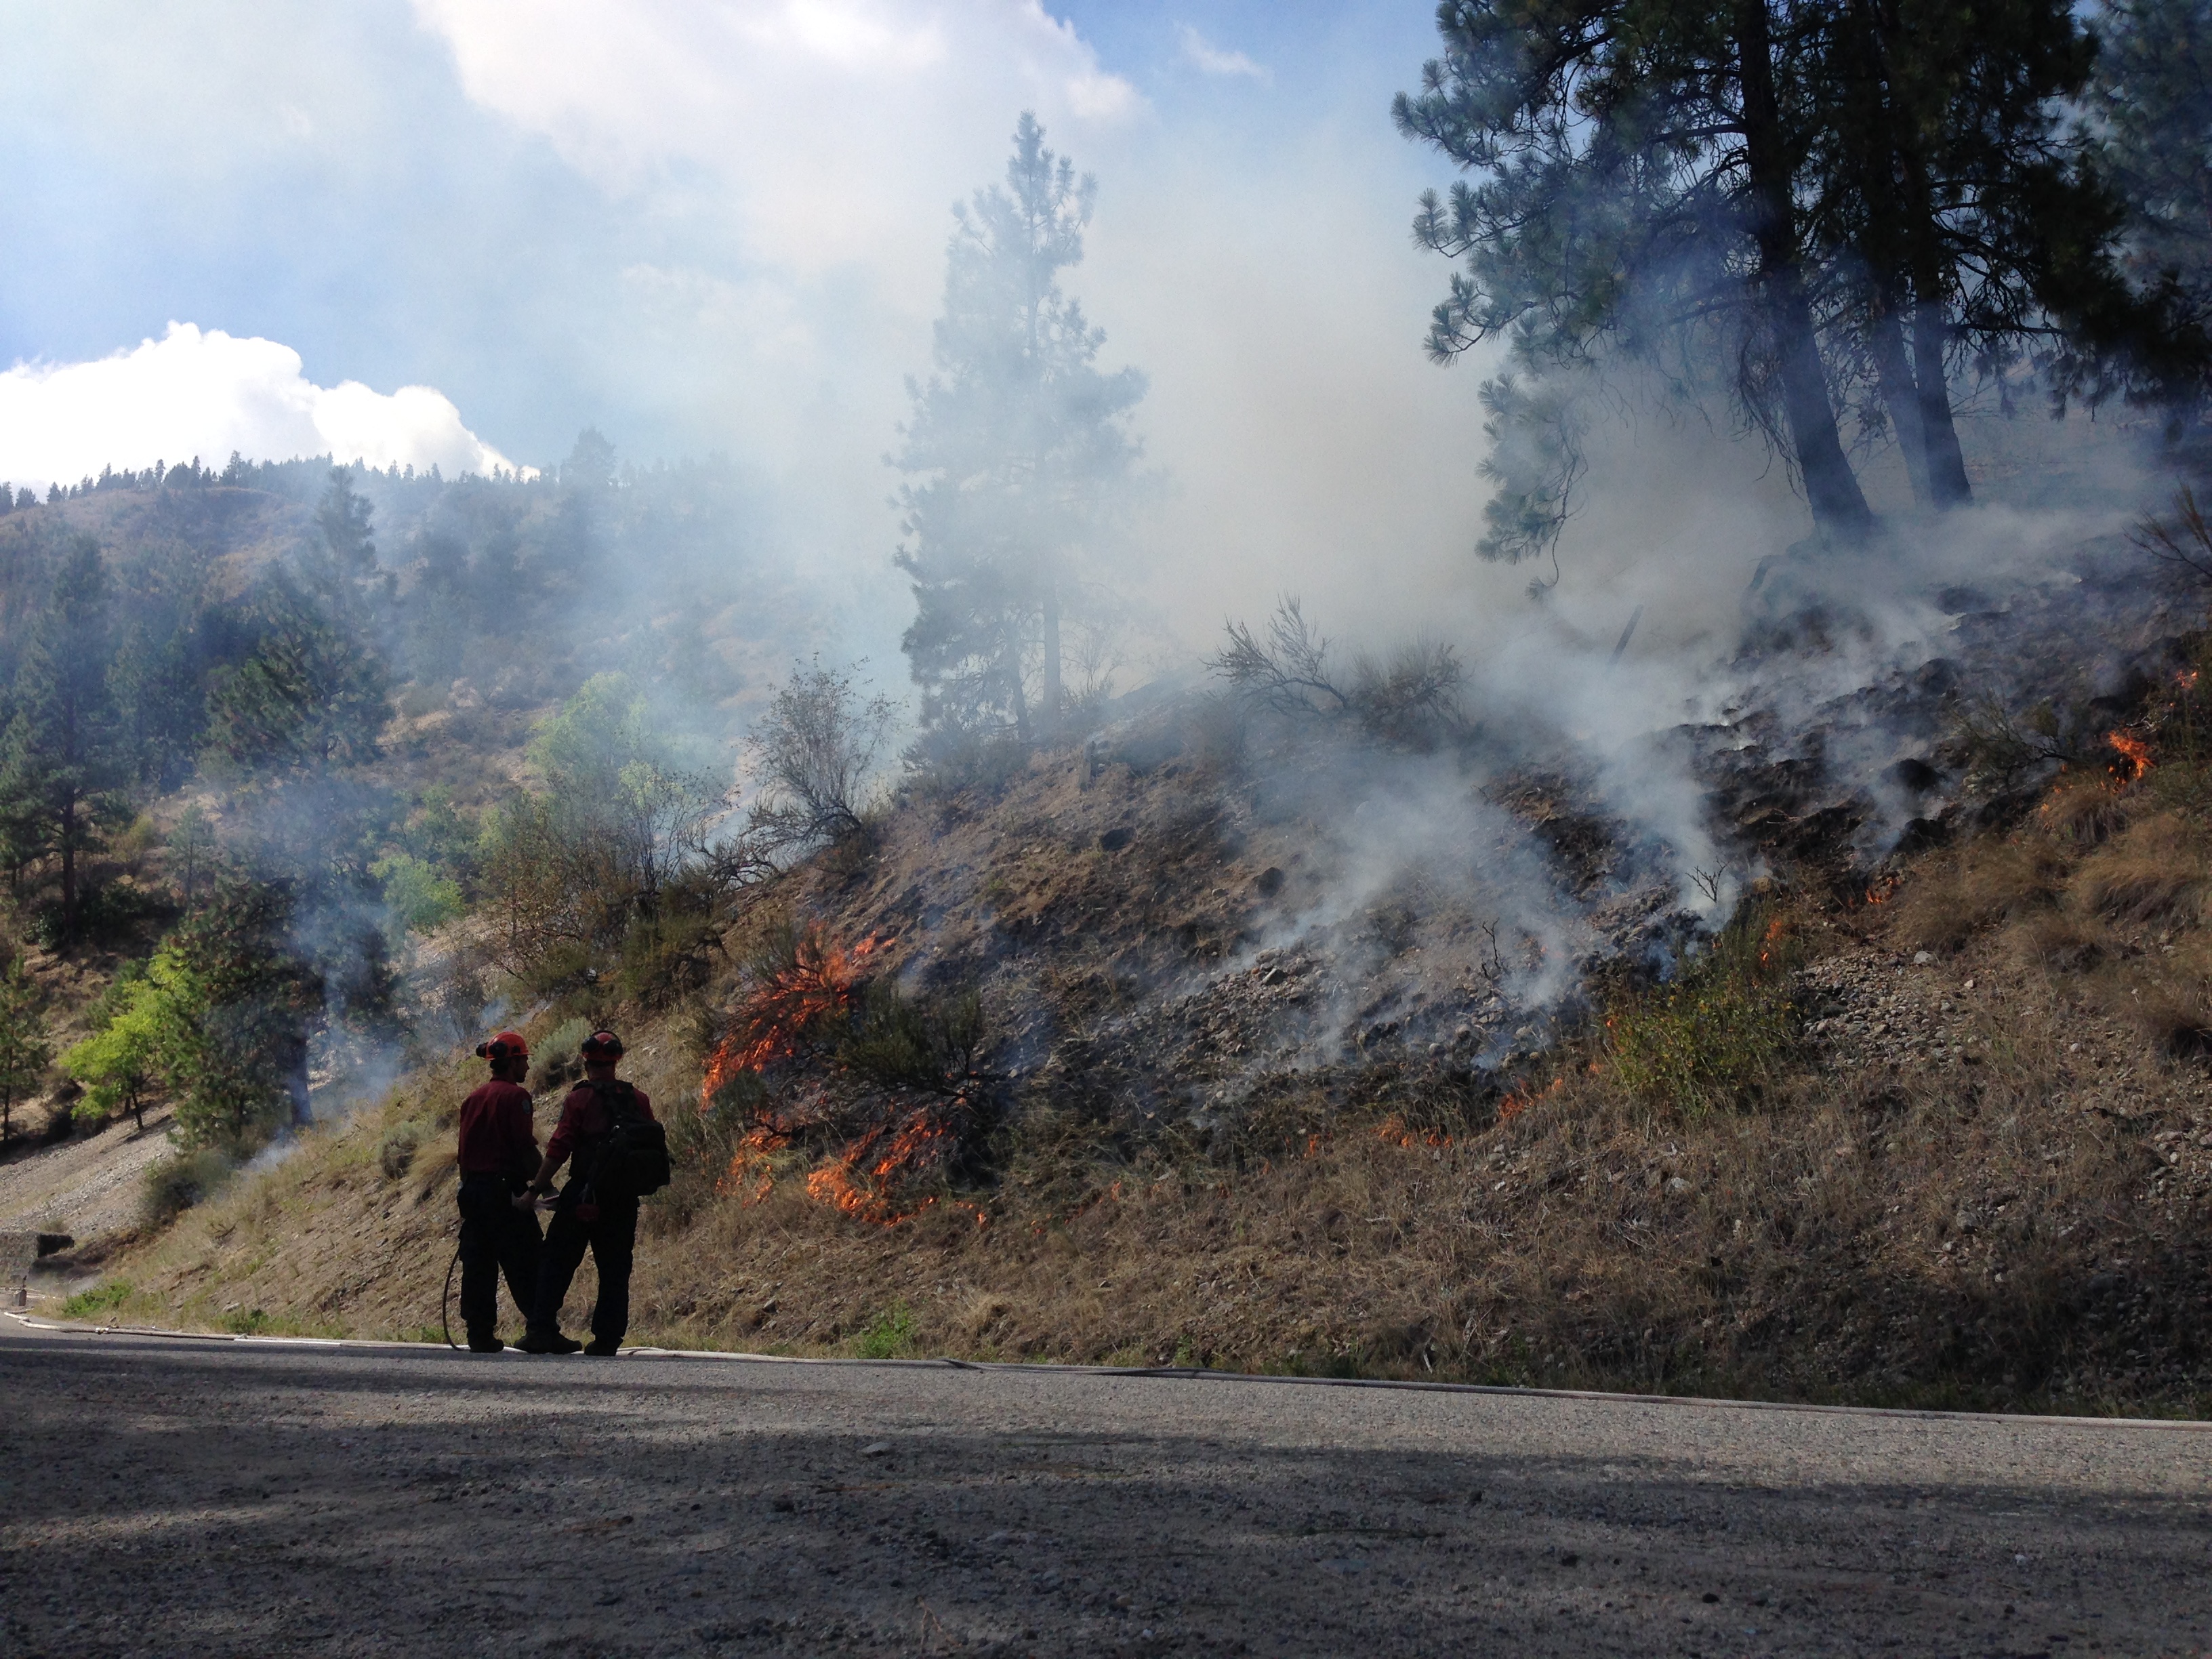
{"x": 100, "y": 1299}
{"x": 889, "y": 1335}
{"x": 1722, "y": 1033}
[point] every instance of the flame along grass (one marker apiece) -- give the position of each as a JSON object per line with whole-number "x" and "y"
{"x": 804, "y": 993}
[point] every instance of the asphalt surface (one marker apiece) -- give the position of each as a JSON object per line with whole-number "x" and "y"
{"x": 216, "y": 1497}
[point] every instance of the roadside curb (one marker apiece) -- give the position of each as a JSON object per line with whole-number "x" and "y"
{"x": 1159, "y": 1373}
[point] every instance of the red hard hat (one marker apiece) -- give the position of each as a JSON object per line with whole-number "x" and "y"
{"x": 508, "y": 1045}
{"x": 602, "y": 1045}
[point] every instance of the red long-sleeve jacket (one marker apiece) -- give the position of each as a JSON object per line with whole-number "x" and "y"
{"x": 582, "y": 1118}
{"x": 498, "y": 1134}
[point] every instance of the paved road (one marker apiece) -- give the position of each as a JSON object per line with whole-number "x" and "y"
{"x": 217, "y": 1498}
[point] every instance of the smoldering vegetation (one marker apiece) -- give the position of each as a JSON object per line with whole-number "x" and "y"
{"x": 1676, "y": 974}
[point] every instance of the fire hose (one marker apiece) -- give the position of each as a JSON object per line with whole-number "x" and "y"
{"x": 446, "y": 1302}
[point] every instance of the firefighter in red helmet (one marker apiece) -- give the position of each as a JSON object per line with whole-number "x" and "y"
{"x": 592, "y": 1212}
{"x": 499, "y": 1151}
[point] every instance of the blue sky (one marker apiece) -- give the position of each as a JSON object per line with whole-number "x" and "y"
{"x": 720, "y": 227}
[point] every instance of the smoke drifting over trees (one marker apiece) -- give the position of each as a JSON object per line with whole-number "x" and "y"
{"x": 1020, "y": 463}
{"x": 1810, "y": 211}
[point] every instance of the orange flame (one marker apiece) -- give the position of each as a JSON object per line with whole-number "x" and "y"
{"x": 2133, "y": 749}
{"x": 818, "y": 984}
{"x": 864, "y": 1193}
{"x": 1392, "y": 1130}
{"x": 1513, "y": 1105}
{"x": 773, "y": 1028}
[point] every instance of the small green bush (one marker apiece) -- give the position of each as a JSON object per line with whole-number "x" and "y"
{"x": 247, "y": 1321}
{"x": 889, "y": 1335}
{"x": 104, "y": 1297}
{"x": 560, "y": 1057}
{"x": 913, "y": 1043}
{"x": 1719, "y": 1035}
{"x": 174, "y": 1185}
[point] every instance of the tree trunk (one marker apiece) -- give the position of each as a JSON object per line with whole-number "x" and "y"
{"x": 1947, "y": 466}
{"x": 69, "y": 871}
{"x": 1021, "y": 703}
{"x": 1831, "y": 489}
{"x": 1902, "y": 398}
{"x": 1049, "y": 718}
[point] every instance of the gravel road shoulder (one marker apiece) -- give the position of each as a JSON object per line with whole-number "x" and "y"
{"x": 251, "y": 1497}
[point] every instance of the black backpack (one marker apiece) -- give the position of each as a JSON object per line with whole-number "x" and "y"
{"x": 631, "y": 1158}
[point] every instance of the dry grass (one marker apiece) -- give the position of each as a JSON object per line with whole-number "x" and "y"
{"x": 1955, "y": 895}
{"x": 2006, "y": 1233}
{"x": 2154, "y": 871}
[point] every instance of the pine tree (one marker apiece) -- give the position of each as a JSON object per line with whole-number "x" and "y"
{"x": 65, "y": 764}
{"x": 1636, "y": 176}
{"x": 309, "y": 694}
{"x": 1018, "y": 455}
{"x": 24, "y": 1048}
{"x": 2152, "y": 95}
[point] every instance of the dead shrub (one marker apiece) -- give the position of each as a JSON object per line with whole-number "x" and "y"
{"x": 1966, "y": 890}
{"x": 2060, "y": 940}
{"x": 2155, "y": 870}
{"x": 2175, "y": 1015}
{"x": 2083, "y": 810}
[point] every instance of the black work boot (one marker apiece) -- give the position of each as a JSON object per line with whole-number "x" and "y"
{"x": 548, "y": 1342}
{"x": 485, "y": 1343}
{"x": 600, "y": 1347}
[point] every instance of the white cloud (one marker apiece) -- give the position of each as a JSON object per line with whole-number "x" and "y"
{"x": 1216, "y": 61}
{"x": 205, "y": 392}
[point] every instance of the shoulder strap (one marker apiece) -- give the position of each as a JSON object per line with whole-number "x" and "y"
{"x": 617, "y": 1097}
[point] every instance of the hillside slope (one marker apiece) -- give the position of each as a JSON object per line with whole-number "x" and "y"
{"x": 1292, "y": 1046}
{"x": 1976, "y": 1186}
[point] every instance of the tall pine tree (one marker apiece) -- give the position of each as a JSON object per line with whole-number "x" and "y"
{"x": 66, "y": 763}
{"x": 1017, "y": 457}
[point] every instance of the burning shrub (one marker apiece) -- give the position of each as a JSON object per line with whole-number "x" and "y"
{"x": 819, "y": 1057}
{"x": 1724, "y": 1031}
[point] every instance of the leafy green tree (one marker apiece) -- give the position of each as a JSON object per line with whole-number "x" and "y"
{"x": 24, "y": 1045}
{"x": 417, "y": 895}
{"x": 622, "y": 816}
{"x": 121, "y": 1064}
{"x": 65, "y": 764}
{"x": 1017, "y": 456}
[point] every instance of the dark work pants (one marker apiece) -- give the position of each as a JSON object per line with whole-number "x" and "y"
{"x": 612, "y": 1236}
{"x": 497, "y": 1239}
